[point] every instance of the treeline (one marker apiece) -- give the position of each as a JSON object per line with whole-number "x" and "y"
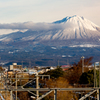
{"x": 74, "y": 73}
{"x": 68, "y": 79}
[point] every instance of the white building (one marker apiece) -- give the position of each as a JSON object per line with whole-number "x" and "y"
{"x": 16, "y": 67}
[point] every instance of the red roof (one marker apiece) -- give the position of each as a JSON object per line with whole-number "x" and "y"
{"x": 65, "y": 66}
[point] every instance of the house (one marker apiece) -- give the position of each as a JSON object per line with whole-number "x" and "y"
{"x": 32, "y": 71}
{"x": 15, "y": 67}
{"x": 65, "y": 67}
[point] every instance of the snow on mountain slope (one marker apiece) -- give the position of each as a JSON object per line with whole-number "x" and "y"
{"x": 85, "y": 45}
{"x": 78, "y": 22}
{"x": 74, "y": 27}
{"x": 8, "y": 31}
{"x": 79, "y": 28}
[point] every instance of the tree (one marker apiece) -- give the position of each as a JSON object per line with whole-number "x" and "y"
{"x": 23, "y": 95}
{"x": 58, "y": 72}
{"x": 88, "y": 77}
{"x": 73, "y": 75}
{"x": 59, "y": 83}
{"x": 87, "y": 62}
{"x": 1, "y": 69}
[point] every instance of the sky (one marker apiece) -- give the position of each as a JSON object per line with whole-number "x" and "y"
{"x": 13, "y": 11}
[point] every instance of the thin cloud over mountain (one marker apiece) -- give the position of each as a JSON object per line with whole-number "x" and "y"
{"x": 35, "y": 26}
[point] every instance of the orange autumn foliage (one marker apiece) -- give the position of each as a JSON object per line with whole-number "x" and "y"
{"x": 59, "y": 83}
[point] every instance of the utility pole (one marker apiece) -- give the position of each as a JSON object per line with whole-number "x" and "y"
{"x": 67, "y": 62}
{"x": 98, "y": 94}
{"x": 16, "y": 86}
{"x": 22, "y": 65}
{"x": 55, "y": 94}
{"x": 11, "y": 95}
{"x": 58, "y": 63}
{"x": 99, "y": 74}
{"x": 6, "y": 86}
{"x": 94, "y": 75}
{"x": 29, "y": 64}
{"x": 37, "y": 85}
{"x": 82, "y": 64}
{"x": 98, "y": 90}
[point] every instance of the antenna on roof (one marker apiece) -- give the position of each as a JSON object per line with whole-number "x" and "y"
{"x": 58, "y": 63}
{"x": 67, "y": 62}
{"x": 29, "y": 64}
{"x": 22, "y": 66}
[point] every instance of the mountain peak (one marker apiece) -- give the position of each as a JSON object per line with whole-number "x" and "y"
{"x": 70, "y": 27}
{"x": 77, "y": 21}
{"x": 67, "y": 18}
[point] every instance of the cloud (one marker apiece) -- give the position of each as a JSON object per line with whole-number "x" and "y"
{"x": 34, "y": 26}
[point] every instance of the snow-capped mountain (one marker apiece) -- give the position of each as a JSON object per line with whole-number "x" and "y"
{"x": 75, "y": 28}
{"x": 79, "y": 28}
{"x": 46, "y": 43}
